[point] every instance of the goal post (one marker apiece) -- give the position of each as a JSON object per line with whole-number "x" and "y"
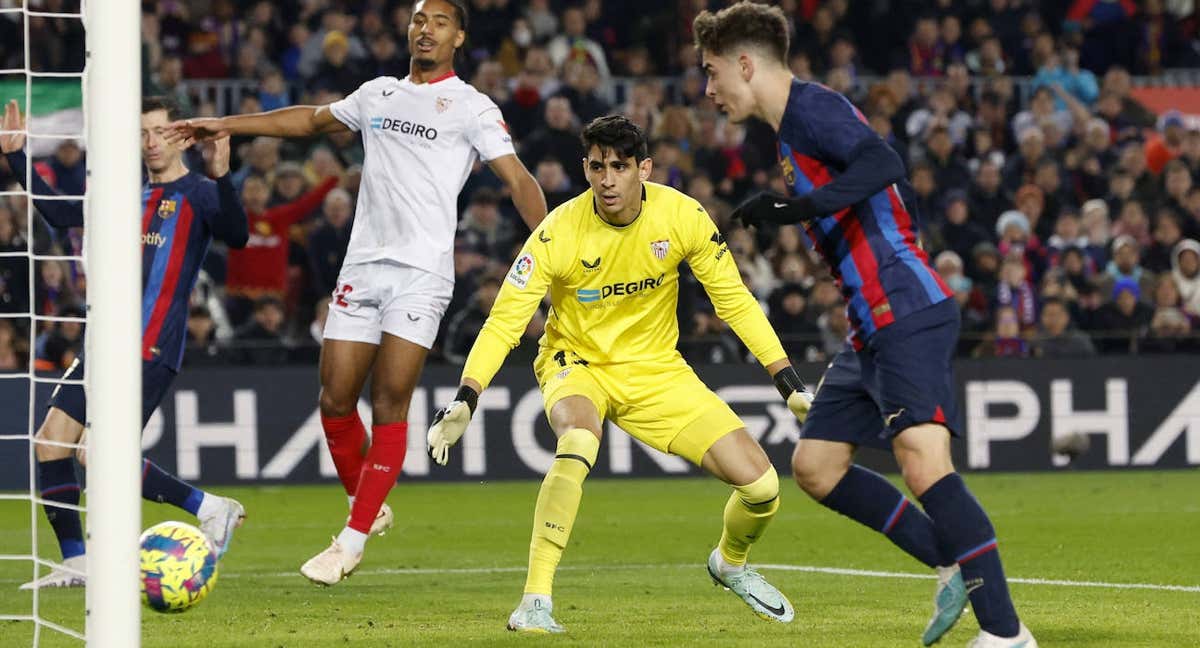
{"x": 112, "y": 96}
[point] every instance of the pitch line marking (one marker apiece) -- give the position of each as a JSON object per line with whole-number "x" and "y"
{"x": 835, "y": 571}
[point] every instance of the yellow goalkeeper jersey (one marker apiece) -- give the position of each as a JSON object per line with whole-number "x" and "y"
{"x": 614, "y": 290}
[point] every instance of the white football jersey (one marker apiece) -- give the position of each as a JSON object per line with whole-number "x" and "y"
{"x": 420, "y": 142}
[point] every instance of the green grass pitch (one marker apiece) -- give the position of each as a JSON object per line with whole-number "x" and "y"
{"x": 452, "y": 570}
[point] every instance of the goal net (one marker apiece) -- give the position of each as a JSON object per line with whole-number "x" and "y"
{"x": 73, "y": 68}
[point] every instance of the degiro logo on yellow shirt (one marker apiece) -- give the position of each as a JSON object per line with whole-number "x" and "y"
{"x": 590, "y": 295}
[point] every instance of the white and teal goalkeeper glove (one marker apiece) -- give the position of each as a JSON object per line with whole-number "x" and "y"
{"x": 450, "y": 423}
{"x": 792, "y": 389}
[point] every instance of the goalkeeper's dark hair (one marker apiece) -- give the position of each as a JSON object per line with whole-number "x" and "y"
{"x": 618, "y": 134}
{"x": 159, "y": 102}
{"x": 743, "y": 24}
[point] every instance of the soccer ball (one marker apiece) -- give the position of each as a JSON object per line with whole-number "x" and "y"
{"x": 179, "y": 567}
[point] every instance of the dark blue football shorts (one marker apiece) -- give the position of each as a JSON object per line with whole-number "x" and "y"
{"x": 71, "y": 399}
{"x": 902, "y": 377}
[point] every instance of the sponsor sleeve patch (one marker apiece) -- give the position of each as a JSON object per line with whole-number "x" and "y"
{"x": 521, "y": 271}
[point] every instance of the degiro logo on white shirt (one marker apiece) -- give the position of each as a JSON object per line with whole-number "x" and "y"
{"x": 403, "y": 126}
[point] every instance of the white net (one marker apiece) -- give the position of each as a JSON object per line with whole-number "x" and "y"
{"x": 40, "y": 330}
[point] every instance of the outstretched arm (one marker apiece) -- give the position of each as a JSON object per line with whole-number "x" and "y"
{"x": 294, "y": 121}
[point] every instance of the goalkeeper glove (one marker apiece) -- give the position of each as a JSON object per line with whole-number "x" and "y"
{"x": 792, "y": 389}
{"x": 772, "y": 208}
{"x": 450, "y": 422}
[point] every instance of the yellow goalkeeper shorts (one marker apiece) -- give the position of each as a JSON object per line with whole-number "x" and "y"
{"x": 662, "y": 404}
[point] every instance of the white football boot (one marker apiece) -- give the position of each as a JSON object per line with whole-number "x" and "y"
{"x": 63, "y": 576}
{"x": 219, "y": 523}
{"x": 331, "y": 566}
{"x": 533, "y": 616}
{"x": 1024, "y": 639}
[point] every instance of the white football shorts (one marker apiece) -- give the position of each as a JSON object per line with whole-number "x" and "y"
{"x": 376, "y": 298}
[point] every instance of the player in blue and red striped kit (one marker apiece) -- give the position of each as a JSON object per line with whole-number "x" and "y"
{"x": 182, "y": 212}
{"x": 892, "y": 386}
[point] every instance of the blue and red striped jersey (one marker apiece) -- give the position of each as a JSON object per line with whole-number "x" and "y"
{"x": 179, "y": 220}
{"x": 871, "y": 245}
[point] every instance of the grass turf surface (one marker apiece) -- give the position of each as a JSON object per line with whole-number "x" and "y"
{"x": 634, "y": 573}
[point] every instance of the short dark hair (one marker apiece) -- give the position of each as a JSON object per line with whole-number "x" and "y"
{"x": 616, "y": 133}
{"x": 160, "y": 102}
{"x": 460, "y": 12}
{"x": 744, "y": 23}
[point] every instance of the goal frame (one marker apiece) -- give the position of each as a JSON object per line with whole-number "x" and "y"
{"x": 112, "y": 97}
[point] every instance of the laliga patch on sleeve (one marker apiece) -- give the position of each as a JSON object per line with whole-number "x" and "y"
{"x": 521, "y": 271}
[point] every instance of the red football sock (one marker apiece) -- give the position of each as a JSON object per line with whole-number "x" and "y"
{"x": 380, "y": 470}
{"x": 345, "y": 436}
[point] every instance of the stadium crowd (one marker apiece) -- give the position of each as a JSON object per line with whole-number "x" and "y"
{"x": 1066, "y": 222}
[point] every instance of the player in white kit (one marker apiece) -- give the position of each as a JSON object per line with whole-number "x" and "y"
{"x": 421, "y": 134}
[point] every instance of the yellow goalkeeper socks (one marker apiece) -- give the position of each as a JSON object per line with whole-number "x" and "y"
{"x": 557, "y": 504}
{"x": 747, "y": 513}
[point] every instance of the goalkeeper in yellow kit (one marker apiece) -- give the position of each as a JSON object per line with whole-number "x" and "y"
{"x": 610, "y": 259}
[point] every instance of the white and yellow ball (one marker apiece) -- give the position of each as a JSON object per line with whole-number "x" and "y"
{"x": 179, "y": 567}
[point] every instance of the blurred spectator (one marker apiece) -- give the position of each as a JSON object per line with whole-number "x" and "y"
{"x": 260, "y": 158}
{"x": 483, "y": 230}
{"x": 574, "y": 44}
{"x": 558, "y": 139}
{"x": 1056, "y": 337}
{"x": 260, "y": 269}
{"x": 465, "y": 325}
{"x": 1118, "y": 83}
{"x": 942, "y": 111}
{"x": 542, "y": 19}
{"x": 1185, "y": 268}
{"x": 11, "y": 359}
{"x": 328, "y": 242}
{"x": 1167, "y": 144}
{"x": 1019, "y": 168}
{"x": 1005, "y": 339}
{"x": 169, "y": 83}
{"x": 926, "y": 53}
{"x": 1126, "y": 253}
{"x": 58, "y": 345}
{"x": 1167, "y": 234}
{"x": 1132, "y": 221}
{"x": 580, "y": 89}
{"x": 799, "y": 335}
{"x": 336, "y": 70}
{"x": 53, "y": 287}
{"x": 201, "y": 330}
{"x": 1124, "y": 320}
{"x": 835, "y": 329}
{"x": 1062, "y": 69}
{"x": 274, "y": 92}
{"x": 949, "y": 169}
{"x": 1016, "y": 291}
{"x": 1133, "y": 163}
{"x": 554, "y": 181}
{"x": 262, "y": 336}
{"x": 1170, "y": 332}
{"x": 959, "y": 232}
{"x": 312, "y": 51}
{"x": 1042, "y": 108}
